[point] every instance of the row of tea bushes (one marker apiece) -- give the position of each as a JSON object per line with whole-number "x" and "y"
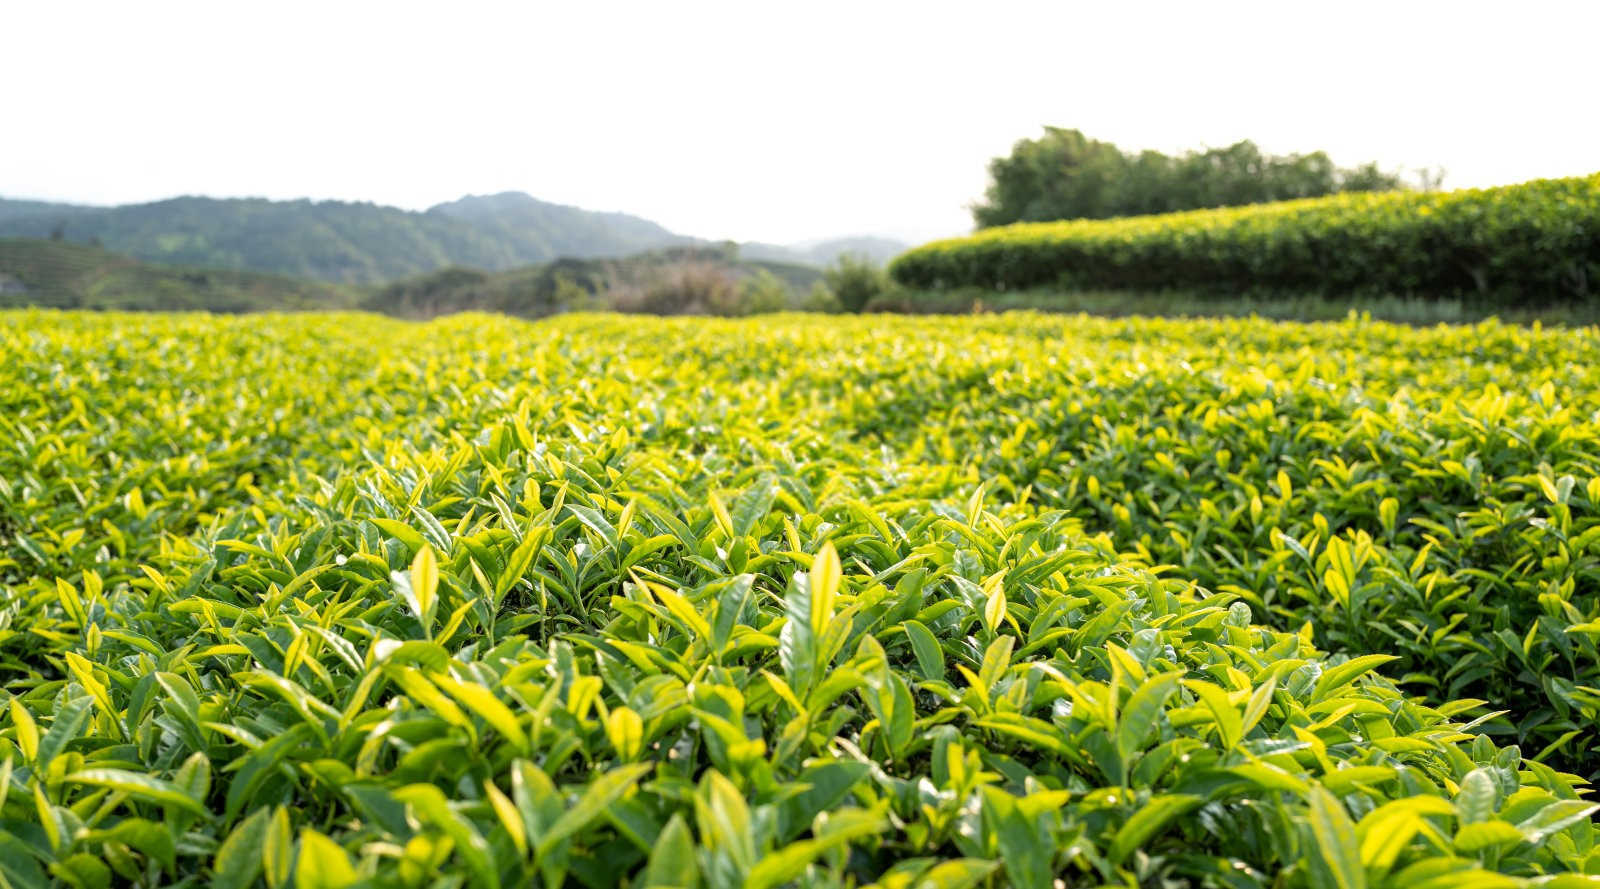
{"x": 1538, "y": 242}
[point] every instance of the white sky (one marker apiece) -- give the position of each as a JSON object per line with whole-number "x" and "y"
{"x": 762, "y": 121}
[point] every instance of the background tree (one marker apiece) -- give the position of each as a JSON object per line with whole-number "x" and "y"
{"x": 854, "y": 281}
{"x": 1066, "y": 175}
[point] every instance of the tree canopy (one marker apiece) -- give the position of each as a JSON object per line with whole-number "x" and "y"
{"x": 1067, "y": 175}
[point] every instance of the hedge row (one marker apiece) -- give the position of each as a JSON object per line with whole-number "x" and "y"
{"x": 1534, "y": 242}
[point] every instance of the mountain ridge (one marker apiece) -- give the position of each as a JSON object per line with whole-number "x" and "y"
{"x": 362, "y": 242}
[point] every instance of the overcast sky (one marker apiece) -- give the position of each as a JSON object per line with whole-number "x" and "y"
{"x": 762, "y": 121}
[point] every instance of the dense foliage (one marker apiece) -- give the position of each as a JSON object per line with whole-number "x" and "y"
{"x": 316, "y": 600}
{"x": 1066, "y": 175}
{"x": 1535, "y": 242}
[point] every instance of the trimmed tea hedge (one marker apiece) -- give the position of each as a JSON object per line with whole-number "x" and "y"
{"x": 333, "y": 600}
{"x": 1538, "y": 242}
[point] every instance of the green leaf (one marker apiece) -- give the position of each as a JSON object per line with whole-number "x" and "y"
{"x": 425, "y": 584}
{"x": 595, "y": 522}
{"x": 1230, "y": 726}
{"x": 1384, "y": 839}
{"x": 826, "y": 785}
{"x": 930, "y": 657}
{"x": 1479, "y": 797}
{"x": 1256, "y": 708}
{"x": 994, "y": 610}
{"x": 18, "y": 867}
{"x": 957, "y": 873}
{"x": 68, "y": 722}
{"x": 1025, "y": 848}
{"x": 731, "y": 604}
{"x": 1554, "y": 818}
{"x": 488, "y": 708}
{"x": 1139, "y": 717}
{"x": 724, "y": 820}
{"x": 1337, "y": 859}
{"x": 600, "y": 793}
{"x": 401, "y": 532}
{"x": 322, "y": 864}
{"x": 996, "y": 661}
{"x": 83, "y": 871}
{"x": 672, "y": 864}
{"x": 797, "y": 644}
{"x": 139, "y": 786}
{"x": 521, "y": 558}
{"x": 1147, "y": 821}
{"x": 1336, "y": 678}
{"x": 825, "y": 578}
{"x": 27, "y": 730}
{"x": 625, "y": 731}
{"x": 510, "y": 817}
{"x": 239, "y": 858}
{"x": 789, "y": 862}
{"x": 153, "y": 839}
{"x": 431, "y": 807}
{"x": 750, "y": 507}
{"x": 277, "y": 853}
{"x": 1474, "y": 838}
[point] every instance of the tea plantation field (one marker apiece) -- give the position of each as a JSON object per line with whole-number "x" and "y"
{"x": 1036, "y": 601}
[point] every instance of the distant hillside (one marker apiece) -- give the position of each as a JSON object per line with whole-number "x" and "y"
{"x": 363, "y": 243}
{"x": 538, "y": 230}
{"x": 644, "y": 282}
{"x": 326, "y": 240}
{"x": 62, "y": 275}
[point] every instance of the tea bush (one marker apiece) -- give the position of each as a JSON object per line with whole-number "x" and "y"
{"x": 333, "y": 600}
{"x": 1537, "y": 242}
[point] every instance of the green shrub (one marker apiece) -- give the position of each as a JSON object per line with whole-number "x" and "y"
{"x": 854, "y": 280}
{"x": 762, "y": 293}
{"x": 820, "y": 299}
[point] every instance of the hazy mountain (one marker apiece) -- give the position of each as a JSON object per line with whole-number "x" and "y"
{"x": 542, "y": 230}
{"x": 327, "y": 240}
{"x": 363, "y": 243}
{"x": 11, "y": 209}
